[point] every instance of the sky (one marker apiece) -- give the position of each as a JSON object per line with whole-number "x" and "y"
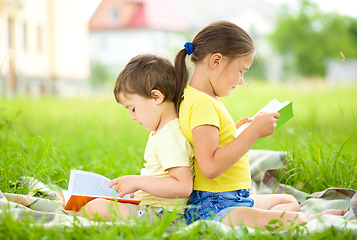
{"x": 343, "y": 7}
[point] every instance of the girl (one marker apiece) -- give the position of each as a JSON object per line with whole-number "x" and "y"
{"x": 147, "y": 87}
{"x": 222, "y": 52}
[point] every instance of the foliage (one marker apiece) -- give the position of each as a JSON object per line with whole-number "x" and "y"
{"x": 100, "y": 73}
{"x": 308, "y": 36}
{"x": 257, "y": 70}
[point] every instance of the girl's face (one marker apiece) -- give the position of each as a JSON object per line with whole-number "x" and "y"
{"x": 143, "y": 110}
{"x": 231, "y": 73}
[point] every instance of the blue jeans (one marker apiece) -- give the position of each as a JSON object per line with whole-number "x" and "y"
{"x": 214, "y": 206}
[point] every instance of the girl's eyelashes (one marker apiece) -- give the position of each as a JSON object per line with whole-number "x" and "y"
{"x": 133, "y": 110}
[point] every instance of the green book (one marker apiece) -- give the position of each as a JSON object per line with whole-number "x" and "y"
{"x": 285, "y": 109}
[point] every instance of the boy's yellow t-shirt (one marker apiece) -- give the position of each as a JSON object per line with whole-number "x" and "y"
{"x": 167, "y": 149}
{"x": 197, "y": 108}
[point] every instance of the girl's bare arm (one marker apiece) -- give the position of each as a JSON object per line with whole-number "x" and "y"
{"x": 214, "y": 160}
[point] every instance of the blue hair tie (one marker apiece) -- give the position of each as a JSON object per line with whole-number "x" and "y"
{"x": 189, "y": 48}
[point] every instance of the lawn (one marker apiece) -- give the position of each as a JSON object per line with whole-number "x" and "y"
{"x": 46, "y": 137}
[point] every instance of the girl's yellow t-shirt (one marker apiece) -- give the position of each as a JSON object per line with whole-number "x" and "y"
{"x": 196, "y": 109}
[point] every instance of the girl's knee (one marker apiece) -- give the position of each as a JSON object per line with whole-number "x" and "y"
{"x": 295, "y": 206}
{"x": 286, "y": 202}
{"x": 290, "y": 198}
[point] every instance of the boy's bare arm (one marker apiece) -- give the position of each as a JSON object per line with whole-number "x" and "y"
{"x": 179, "y": 184}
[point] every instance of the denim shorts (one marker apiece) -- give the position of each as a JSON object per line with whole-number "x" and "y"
{"x": 214, "y": 206}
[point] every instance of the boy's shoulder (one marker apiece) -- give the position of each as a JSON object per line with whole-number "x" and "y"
{"x": 171, "y": 138}
{"x": 172, "y": 127}
{"x": 171, "y": 133}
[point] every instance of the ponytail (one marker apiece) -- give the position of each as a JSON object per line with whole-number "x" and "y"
{"x": 181, "y": 76}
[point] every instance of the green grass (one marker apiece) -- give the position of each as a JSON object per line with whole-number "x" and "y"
{"x": 321, "y": 138}
{"x": 46, "y": 137}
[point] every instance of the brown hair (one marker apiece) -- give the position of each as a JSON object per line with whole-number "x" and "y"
{"x": 145, "y": 73}
{"x": 218, "y": 37}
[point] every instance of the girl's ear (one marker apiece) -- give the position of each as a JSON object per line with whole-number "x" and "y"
{"x": 216, "y": 61}
{"x": 157, "y": 96}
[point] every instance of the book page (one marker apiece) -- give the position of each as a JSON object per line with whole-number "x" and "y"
{"x": 90, "y": 184}
{"x": 273, "y": 106}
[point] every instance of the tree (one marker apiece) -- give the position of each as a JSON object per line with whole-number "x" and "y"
{"x": 99, "y": 73}
{"x": 309, "y": 36}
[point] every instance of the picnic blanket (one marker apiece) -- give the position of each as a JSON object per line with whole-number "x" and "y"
{"x": 44, "y": 202}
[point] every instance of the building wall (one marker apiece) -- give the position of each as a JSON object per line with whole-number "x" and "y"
{"x": 338, "y": 72}
{"x": 70, "y": 40}
{"x": 102, "y": 19}
{"x": 50, "y": 47}
{"x": 114, "y": 48}
{"x": 32, "y": 48}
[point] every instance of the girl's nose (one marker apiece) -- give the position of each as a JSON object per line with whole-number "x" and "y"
{"x": 132, "y": 116}
{"x": 241, "y": 81}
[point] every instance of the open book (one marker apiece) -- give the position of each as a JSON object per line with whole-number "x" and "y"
{"x": 85, "y": 186}
{"x": 285, "y": 109}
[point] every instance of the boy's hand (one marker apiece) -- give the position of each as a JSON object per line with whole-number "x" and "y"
{"x": 265, "y": 123}
{"x": 125, "y": 185}
{"x": 242, "y": 121}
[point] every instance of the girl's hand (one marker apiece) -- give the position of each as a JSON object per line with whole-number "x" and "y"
{"x": 243, "y": 121}
{"x": 126, "y": 185}
{"x": 265, "y": 123}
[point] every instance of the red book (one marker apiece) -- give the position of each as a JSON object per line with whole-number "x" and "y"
{"x": 85, "y": 186}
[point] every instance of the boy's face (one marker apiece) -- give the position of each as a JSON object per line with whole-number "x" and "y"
{"x": 143, "y": 110}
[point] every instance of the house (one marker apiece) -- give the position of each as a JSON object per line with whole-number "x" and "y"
{"x": 257, "y": 17}
{"x": 121, "y": 29}
{"x": 43, "y": 47}
{"x": 338, "y": 72}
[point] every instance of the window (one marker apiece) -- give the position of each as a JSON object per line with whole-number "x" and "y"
{"x": 24, "y": 35}
{"x": 11, "y": 32}
{"x": 39, "y": 39}
{"x": 104, "y": 45}
{"x": 113, "y": 16}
